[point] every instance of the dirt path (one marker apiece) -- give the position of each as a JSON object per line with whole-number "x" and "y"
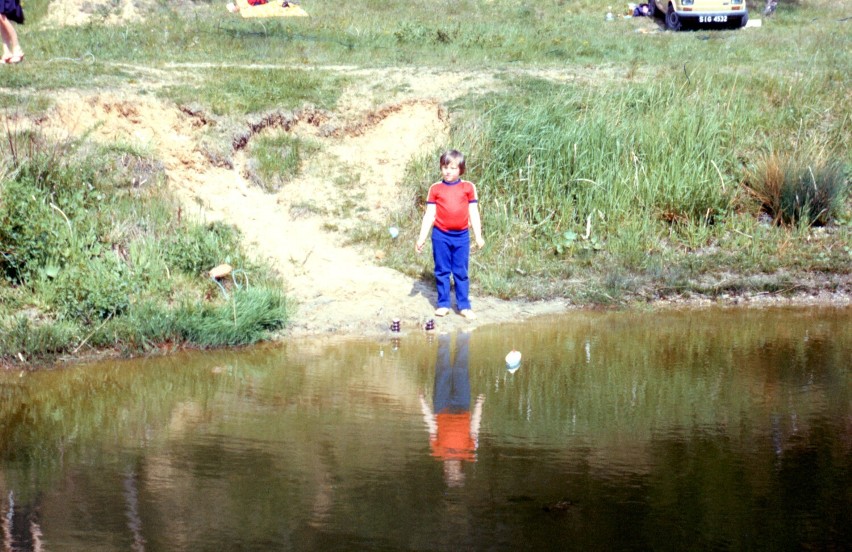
{"x": 341, "y": 289}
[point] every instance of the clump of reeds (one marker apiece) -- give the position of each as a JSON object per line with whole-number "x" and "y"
{"x": 794, "y": 191}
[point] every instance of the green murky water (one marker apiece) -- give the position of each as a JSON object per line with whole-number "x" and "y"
{"x": 717, "y": 429}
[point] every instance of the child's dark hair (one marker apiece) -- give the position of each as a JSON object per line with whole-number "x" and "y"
{"x": 453, "y": 155}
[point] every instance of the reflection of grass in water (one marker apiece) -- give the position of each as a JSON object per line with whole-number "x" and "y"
{"x": 48, "y": 413}
{"x": 676, "y": 391}
{"x": 132, "y": 400}
{"x": 647, "y": 374}
{"x": 655, "y": 374}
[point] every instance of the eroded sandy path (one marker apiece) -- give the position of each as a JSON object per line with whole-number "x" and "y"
{"x": 338, "y": 288}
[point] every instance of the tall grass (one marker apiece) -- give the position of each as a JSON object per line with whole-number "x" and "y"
{"x": 247, "y": 316}
{"x": 621, "y": 183}
{"x": 575, "y": 152}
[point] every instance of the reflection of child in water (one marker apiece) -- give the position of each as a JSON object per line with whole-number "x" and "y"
{"x": 453, "y": 428}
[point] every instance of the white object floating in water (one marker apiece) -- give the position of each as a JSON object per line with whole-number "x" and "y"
{"x": 394, "y": 231}
{"x": 513, "y": 360}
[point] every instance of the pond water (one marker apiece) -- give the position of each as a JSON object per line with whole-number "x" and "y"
{"x": 710, "y": 429}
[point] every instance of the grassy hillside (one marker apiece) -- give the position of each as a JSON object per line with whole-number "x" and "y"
{"x": 705, "y": 162}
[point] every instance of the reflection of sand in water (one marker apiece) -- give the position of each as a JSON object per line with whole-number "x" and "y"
{"x": 453, "y": 473}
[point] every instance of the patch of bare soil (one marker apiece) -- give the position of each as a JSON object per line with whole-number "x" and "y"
{"x": 109, "y": 12}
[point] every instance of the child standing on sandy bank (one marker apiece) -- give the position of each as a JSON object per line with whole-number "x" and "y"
{"x": 452, "y": 209}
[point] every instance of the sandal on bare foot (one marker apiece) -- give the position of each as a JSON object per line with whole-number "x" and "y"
{"x": 14, "y": 58}
{"x": 442, "y": 311}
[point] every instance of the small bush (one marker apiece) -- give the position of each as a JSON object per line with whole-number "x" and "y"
{"x": 793, "y": 191}
{"x": 49, "y": 205}
{"x": 92, "y": 290}
{"x": 27, "y": 229}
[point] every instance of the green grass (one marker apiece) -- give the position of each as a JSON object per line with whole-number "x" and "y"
{"x": 277, "y": 159}
{"x": 467, "y": 34}
{"x": 613, "y": 165}
{"x": 238, "y": 91}
{"x": 607, "y": 183}
{"x": 93, "y": 256}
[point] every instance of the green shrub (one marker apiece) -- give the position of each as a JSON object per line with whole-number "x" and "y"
{"x": 50, "y": 205}
{"x": 28, "y": 229}
{"x": 92, "y": 289}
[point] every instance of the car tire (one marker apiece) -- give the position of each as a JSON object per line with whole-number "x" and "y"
{"x": 673, "y": 22}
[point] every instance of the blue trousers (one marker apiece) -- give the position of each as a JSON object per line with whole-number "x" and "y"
{"x": 452, "y": 379}
{"x": 451, "y": 251}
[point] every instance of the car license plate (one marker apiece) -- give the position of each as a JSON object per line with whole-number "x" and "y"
{"x": 712, "y": 18}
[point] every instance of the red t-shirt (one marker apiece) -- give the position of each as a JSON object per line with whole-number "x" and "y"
{"x": 453, "y": 440}
{"x": 451, "y": 203}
